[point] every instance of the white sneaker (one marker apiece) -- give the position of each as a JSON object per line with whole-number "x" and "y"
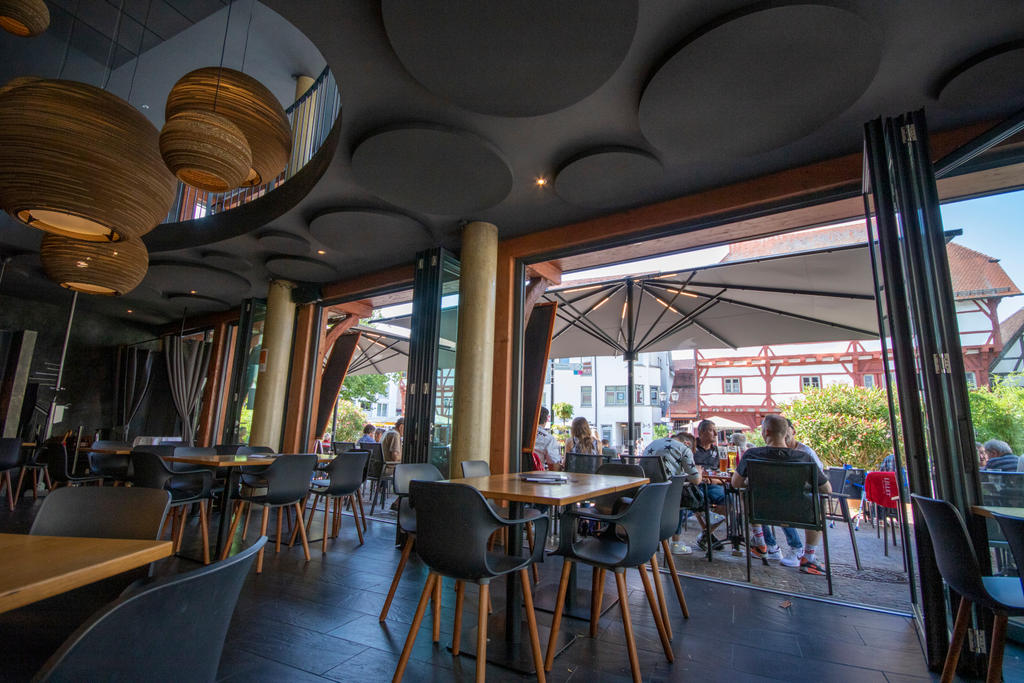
{"x": 791, "y": 558}
{"x": 775, "y": 554}
{"x": 681, "y": 549}
{"x": 715, "y": 518}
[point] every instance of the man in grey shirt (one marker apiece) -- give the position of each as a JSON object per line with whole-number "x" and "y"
{"x": 678, "y": 460}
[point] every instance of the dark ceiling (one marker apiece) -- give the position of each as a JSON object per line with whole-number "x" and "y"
{"x": 451, "y": 110}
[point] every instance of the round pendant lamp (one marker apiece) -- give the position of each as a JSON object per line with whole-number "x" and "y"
{"x": 205, "y": 150}
{"x": 105, "y": 268}
{"x": 245, "y": 102}
{"x": 24, "y": 18}
{"x": 80, "y": 162}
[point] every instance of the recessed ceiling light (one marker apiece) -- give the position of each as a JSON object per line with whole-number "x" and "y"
{"x": 130, "y": 310}
{"x": 145, "y": 106}
{"x": 541, "y": 181}
{"x": 321, "y": 251}
{"x": 192, "y": 291}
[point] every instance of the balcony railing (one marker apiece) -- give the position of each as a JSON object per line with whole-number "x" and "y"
{"x": 311, "y": 116}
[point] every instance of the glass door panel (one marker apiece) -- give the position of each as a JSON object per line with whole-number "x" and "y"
{"x": 248, "y": 357}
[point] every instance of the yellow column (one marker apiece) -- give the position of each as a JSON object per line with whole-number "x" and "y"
{"x": 303, "y": 124}
{"x": 272, "y": 382}
{"x": 474, "y": 360}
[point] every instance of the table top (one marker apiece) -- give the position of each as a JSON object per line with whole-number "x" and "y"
{"x": 988, "y": 510}
{"x": 578, "y": 487}
{"x": 233, "y": 460}
{"x": 107, "y": 451}
{"x": 36, "y": 567}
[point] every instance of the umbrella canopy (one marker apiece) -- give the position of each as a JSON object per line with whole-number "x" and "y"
{"x": 378, "y": 352}
{"x": 807, "y": 297}
{"x": 720, "y": 423}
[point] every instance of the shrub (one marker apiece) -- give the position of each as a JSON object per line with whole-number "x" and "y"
{"x": 350, "y": 421}
{"x": 997, "y": 411}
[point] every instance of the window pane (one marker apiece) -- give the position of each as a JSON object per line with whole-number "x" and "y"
{"x": 586, "y": 397}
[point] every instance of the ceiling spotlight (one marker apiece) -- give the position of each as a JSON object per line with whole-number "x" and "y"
{"x": 321, "y": 252}
{"x": 541, "y": 181}
{"x": 192, "y": 291}
{"x": 130, "y": 310}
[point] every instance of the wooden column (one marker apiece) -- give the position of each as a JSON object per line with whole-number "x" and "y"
{"x": 205, "y": 435}
{"x": 474, "y": 361}
{"x": 272, "y": 382}
{"x": 303, "y": 362}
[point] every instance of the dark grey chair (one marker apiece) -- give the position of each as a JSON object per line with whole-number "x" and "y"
{"x": 379, "y": 474}
{"x": 102, "y": 512}
{"x": 129, "y": 639}
{"x": 113, "y": 467}
{"x": 340, "y": 447}
{"x": 12, "y": 457}
{"x": 584, "y": 463}
{"x": 611, "y": 503}
{"x": 186, "y": 488}
{"x": 960, "y": 570}
{"x": 669, "y": 524}
{"x": 837, "y": 506}
{"x": 785, "y": 493}
{"x": 630, "y": 540}
{"x": 404, "y": 475}
{"x": 345, "y": 476}
{"x": 454, "y": 524}
{"x": 476, "y": 468}
{"x": 55, "y": 455}
{"x": 652, "y": 465}
{"x": 287, "y": 484}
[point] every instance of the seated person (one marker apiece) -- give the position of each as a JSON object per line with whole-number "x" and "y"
{"x": 775, "y": 429}
{"x": 545, "y": 445}
{"x": 705, "y": 454}
{"x": 367, "y": 437}
{"x": 378, "y": 434}
{"x": 1000, "y": 456}
{"x": 607, "y": 450}
{"x": 678, "y": 459}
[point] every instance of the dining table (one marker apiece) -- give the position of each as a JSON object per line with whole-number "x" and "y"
{"x": 34, "y": 568}
{"x": 508, "y": 635}
{"x": 231, "y": 465}
{"x": 991, "y": 510}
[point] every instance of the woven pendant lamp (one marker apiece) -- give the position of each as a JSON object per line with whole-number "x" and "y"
{"x": 80, "y": 162}
{"x": 104, "y": 268}
{"x": 205, "y": 150}
{"x": 245, "y": 102}
{"x": 24, "y": 17}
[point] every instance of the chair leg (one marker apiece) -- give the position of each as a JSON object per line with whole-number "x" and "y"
{"x": 359, "y": 528}
{"x": 362, "y": 513}
{"x": 312, "y": 508}
{"x": 531, "y": 621}
{"x": 277, "y": 540}
{"x": 460, "y": 594}
{"x": 231, "y": 532}
{"x": 662, "y": 603}
{"x": 995, "y": 656}
{"x": 529, "y": 539}
{"x": 656, "y": 612}
{"x": 10, "y": 490}
{"x": 183, "y": 514}
{"x": 435, "y": 610}
{"x": 596, "y": 591}
{"x": 481, "y": 633}
{"x": 675, "y": 579}
{"x": 828, "y": 559}
{"x": 627, "y": 624}
{"x": 417, "y": 619}
{"x": 17, "y": 489}
{"x": 406, "y": 549}
{"x": 302, "y": 533}
{"x": 263, "y": 532}
{"x": 35, "y": 485}
{"x": 339, "y": 509}
{"x": 245, "y": 526}
{"x": 323, "y": 541}
{"x": 556, "y": 619}
{"x": 849, "y": 525}
{"x": 956, "y": 642}
{"x": 204, "y": 528}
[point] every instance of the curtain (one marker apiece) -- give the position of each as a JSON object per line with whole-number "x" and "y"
{"x": 187, "y": 362}
{"x": 135, "y": 369}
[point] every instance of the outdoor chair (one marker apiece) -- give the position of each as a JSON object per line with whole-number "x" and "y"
{"x": 653, "y": 466}
{"x": 340, "y": 447}
{"x": 404, "y": 474}
{"x": 631, "y": 539}
{"x": 669, "y": 524}
{"x": 186, "y": 488}
{"x": 287, "y": 483}
{"x": 379, "y": 474}
{"x": 960, "y": 570}
{"x": 882, "y": 491}
{"x": 139, "y": 637}
{"x": 837, "y": 507}
{"x": 609, "y": 504}
{"x": 785, "y": 494}
{"x": 12, "y": 457}
{"x": 345, "y": 476}
{"x": 584, "y": 463}
{"x": 454, "y": 523}
{"x": 1000, "y": 489}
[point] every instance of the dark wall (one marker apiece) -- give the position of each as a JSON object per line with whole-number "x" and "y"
{"x": 89, "y": 371}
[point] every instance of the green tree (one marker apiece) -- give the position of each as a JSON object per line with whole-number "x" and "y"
{"x": 660, "y": 431}
{"x": 844, "y": 424}
{"x": 563, "y": 411}
{"x": 997, "y": 411}
{"x": 350, "y": 421}
{"x": 361, "y": 389}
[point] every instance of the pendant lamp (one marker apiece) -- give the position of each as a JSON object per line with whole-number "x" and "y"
{"x": 80, "y": 162}
{"x": 245, "y": 102}
{"x": 104, "y": 268}
{"x": 24, "y": 18}
{"x": 205, "y": 150}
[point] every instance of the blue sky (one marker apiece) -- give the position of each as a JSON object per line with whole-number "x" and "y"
{"x": 993, "y": 225}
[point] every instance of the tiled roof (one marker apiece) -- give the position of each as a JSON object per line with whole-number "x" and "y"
{"x": 976, "y": 275}
{"x": 1011, "y": 326}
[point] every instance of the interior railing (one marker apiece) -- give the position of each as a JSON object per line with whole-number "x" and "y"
{"x": 311, "y": 116}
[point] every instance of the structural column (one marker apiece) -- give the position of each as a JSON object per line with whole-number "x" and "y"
{"x": 474, "y": 359}
{"x": 272, "y": 382}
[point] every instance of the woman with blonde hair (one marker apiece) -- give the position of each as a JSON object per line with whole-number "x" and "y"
{"x": 581, "y": 438}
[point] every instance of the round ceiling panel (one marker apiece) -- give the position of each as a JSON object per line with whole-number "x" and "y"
{"x": 511, "y": 58}
{"x": 195, "y": 303}
{"x": 226, "y": 261}
{"x": 362, "y": 233}
{"x": 608, "y": 178}
{"x": 759, "y": 81}
{"x": 301, "y": 269}
{"x": 432, "y": 169}
{"x": 990, "y": 78}
{"x": 193, "y": 278}
{"x": 281, "y": 242}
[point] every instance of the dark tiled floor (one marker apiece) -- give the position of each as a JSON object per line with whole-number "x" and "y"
{"x": 318, "y": 621}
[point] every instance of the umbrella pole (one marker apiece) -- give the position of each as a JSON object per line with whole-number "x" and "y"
{"x": 630, "y": 358}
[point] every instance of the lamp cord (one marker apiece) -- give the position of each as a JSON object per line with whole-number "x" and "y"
{"x": 248, "y": 29}
{"x": 138, "y": 54}
{"x": 223, "y": 46}
{"x": 113, "y": 46}
{"x": 67, "y": 45}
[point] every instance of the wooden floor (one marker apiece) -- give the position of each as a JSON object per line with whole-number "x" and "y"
{"x": 318, "y": 621}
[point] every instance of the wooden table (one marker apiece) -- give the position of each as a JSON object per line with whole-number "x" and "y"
{"x": 508, "y": 635}
{"x": 36, "y": 567}
{"x": 107, "y": 451}
{"x": 231, "y": 463}
{"x": 991, "y": 510}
